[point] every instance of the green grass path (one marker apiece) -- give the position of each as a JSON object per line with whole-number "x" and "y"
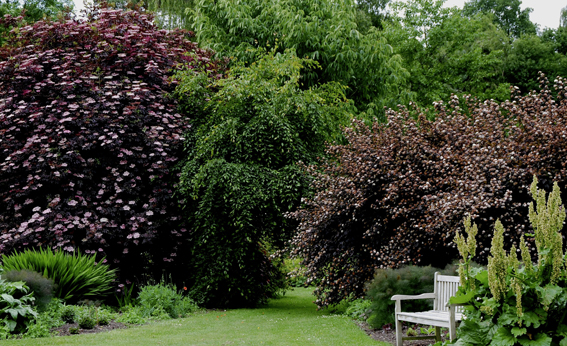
{"x": 291, "y": 320}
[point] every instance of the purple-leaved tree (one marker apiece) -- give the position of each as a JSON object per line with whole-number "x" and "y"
{"x": 89, "y": 138}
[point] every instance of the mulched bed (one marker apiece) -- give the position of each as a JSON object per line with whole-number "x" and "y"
{"x": 388, "y": 334}
{"x": 64, "y": 329}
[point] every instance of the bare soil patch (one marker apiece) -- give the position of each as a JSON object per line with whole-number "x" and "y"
{"x": 64, "y": 329}
{"x": 388, "y": 334}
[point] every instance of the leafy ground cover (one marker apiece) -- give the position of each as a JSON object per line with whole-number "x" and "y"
{"x": 291, "y": 320}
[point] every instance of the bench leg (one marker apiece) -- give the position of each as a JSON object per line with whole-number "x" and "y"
{"x": 437, "y": 333}
{"x": 399, "y": 333}
{"x": 452, "y": 332}
{"x": 452, "y": 323}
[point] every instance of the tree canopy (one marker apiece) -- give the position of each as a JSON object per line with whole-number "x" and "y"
{"x": 321, "y": 30}
{"x": 506, "y": 13}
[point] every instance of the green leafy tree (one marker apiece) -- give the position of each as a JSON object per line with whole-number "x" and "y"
{"x": 447, "y": 53}
{"x": 35, "y": 9}
{"x": 374, "y": 10}
{"x": 322, "y": 30}
{"x": 170, "y": 14}
{"x": 251, "y": 130}
{"x": 506, "y": 13}
{"x": 557, "y": 37}
{"x": 32, "y": 11}
{"x": 532, "y": 54}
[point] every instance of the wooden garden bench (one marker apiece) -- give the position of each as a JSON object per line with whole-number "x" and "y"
{"x": 443, "y": 314}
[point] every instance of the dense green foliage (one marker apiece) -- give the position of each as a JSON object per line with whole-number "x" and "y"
{"x": 322, "y": 30}
{"x": 479, "y": 50}
{"x": 530, "y": 54}
{"x": 16, "y": 312}
{"x": 77, "y": 275}
{"x": 31, "y": 11}
{"x": 410, "y": 280}
{"x": 251, "y": 129}
{"x": 506, "y": 13}
{"x": 41, "y": 287}
{"x": 512, "y": 303}
{"x": 161, "y": 297}
{"x": 34, "y": 10}
{"x": 446, "y": 53}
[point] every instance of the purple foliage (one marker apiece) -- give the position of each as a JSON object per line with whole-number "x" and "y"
{"x": 89, "y": 138}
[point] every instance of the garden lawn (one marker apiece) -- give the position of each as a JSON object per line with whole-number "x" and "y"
{"x": 291, "y": 320}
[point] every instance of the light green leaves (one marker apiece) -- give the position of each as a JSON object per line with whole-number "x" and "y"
{"x": 503, "y": 337}
{"x": 16, "y": 313}
{"x": 76, "y": 275}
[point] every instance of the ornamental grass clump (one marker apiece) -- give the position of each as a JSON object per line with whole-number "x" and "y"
{"x": 77, "y": 276}
{"x": 518, "y": 302}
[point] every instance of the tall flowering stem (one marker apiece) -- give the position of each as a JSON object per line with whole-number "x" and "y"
{"x": 547, "y": 219}
{"x": 467, "y": 249}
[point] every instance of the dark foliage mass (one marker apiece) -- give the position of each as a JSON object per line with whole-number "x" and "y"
{"x": 411, "y": 280}
{"x": 88, "y": 138}
{"x": 398, "y": 191}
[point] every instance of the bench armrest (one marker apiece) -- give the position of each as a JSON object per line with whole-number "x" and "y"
{"x": 420, "y": 296}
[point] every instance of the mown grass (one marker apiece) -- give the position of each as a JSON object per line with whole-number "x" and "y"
{"x": 291, "y": 320}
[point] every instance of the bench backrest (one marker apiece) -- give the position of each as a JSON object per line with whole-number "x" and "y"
{"x": 445, "y": 287}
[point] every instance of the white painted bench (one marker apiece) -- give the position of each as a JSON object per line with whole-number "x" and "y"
{"x": 443, "y": 314}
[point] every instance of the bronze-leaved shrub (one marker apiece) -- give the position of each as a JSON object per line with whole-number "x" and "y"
{"x": 396, "y": 193}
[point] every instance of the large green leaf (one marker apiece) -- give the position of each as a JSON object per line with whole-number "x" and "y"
{"x": 509, "y": 316}
{"x": 463, "y": 299}
{"x": 548, "y": 293}
{"x": 481, "y": 275}
{"x": 503, "y": 337}
{"x": 8, "y": 298}
{"x": 540, "y": 339}
{"x": 11, "y": 324}
{"x": 534, "y": 318}
{"x": 517, "y": 331}
{"x": 471, "y": 332}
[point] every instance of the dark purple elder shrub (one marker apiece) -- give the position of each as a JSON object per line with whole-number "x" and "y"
{"x": 89, "y": 139}
{"x": 396, "y": 193}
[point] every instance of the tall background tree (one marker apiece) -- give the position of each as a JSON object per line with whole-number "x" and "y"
{"x": 446, "y": 53}
{"x": 322, "y": 30}
{"x": 32, "y": 11}
{"x": 506, "y": 13}
{"x": 241, "y": 170}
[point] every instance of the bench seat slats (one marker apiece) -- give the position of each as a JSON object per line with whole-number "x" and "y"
{"x": 426, "y": 316}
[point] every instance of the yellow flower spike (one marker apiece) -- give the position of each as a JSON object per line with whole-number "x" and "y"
{"x": 547, "y": 218}
{"x": 526, "y": 256}
{"x": 497, "y": 263}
